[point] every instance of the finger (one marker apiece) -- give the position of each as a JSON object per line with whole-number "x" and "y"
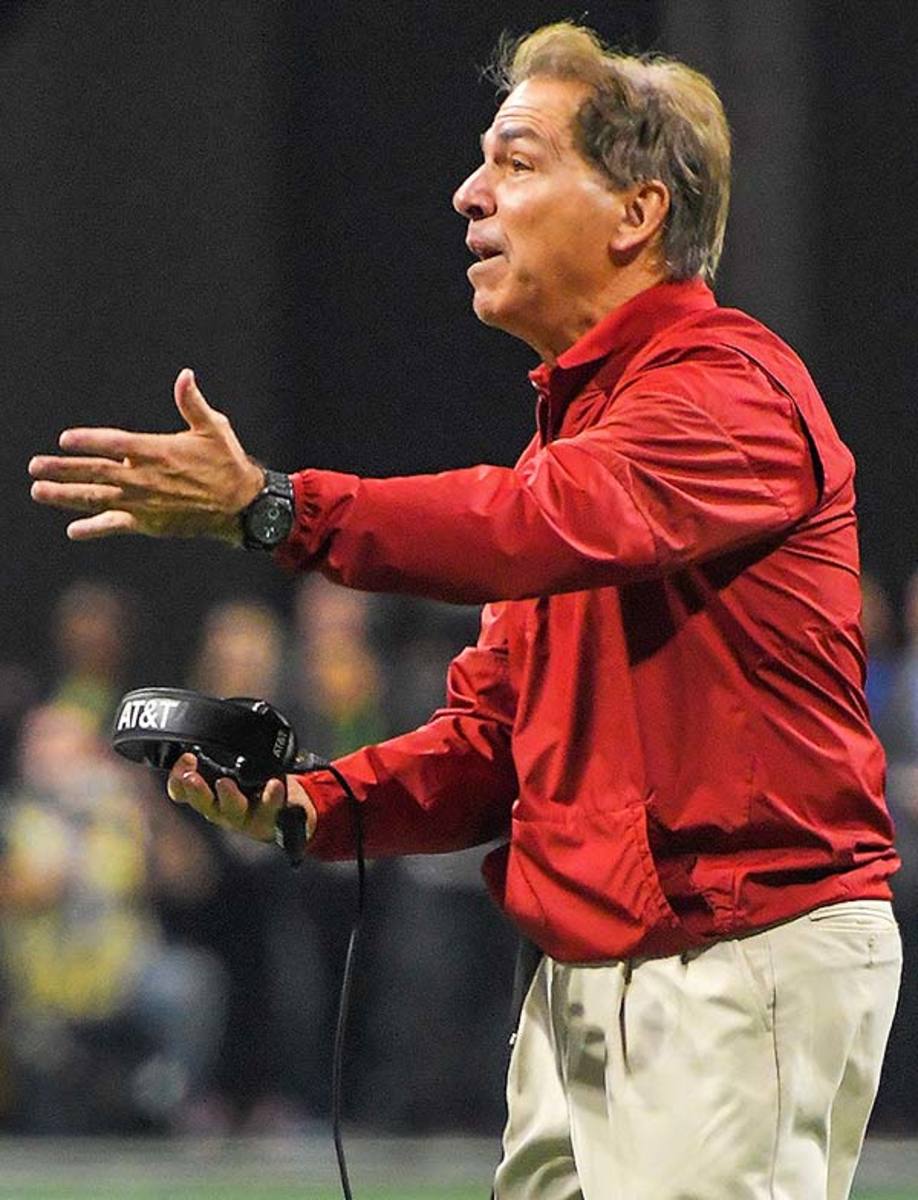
{"x": 258, "y": 818}
{"x": 273, "y": 799}
{"x": 84, "y": 497}
{"x": 262, "y": 817}
{"x": 175, "y": 789}
{"x": 232, "y": 804}
{"x": 197, "y": 795}
{"x": 190, "y": 401}
{"x": 110, "y": 443}
{"x": 76, "y": 470}
{"x": 107, "y": 524}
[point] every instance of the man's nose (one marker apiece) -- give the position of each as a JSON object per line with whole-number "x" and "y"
{"x": 473, "y": 198}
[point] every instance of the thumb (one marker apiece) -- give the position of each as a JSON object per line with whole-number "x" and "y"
{"x": 190, "y": 402}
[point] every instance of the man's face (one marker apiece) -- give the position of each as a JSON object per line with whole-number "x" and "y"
{"x": 540, "y": 218}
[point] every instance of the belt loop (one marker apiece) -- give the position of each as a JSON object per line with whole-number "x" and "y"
{"x": 627, "y": 972}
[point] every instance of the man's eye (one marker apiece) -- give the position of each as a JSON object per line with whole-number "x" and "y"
{"x": 517, "y": 164}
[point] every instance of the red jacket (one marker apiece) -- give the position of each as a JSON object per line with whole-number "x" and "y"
{"x": 665, "y": 709}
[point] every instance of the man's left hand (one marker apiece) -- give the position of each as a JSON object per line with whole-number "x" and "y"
{"x": 229, "y": 808}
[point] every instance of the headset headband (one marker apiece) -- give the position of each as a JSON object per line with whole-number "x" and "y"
{"x": 241, "y": 738}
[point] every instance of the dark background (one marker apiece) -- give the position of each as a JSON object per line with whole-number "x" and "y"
{"x": 261, "y": 190}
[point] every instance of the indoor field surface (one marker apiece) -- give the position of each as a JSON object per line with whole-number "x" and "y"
{"x": 435, "y": 1168}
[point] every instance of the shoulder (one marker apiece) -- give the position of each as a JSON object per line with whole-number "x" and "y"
{"x": 727, "y": 364}
{"x": 724, "y": 337}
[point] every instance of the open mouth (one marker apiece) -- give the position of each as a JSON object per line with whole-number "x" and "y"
{"x": 483, "y": 249}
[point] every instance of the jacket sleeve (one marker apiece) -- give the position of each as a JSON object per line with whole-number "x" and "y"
{"x": 693, "y": 459}
{"x": 448, "y": 785}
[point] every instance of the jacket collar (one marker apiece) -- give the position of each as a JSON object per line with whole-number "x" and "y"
{"x": 619, "y": 336}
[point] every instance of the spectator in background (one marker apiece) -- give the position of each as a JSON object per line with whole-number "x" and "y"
{"x": 19, "y": 690}
{"x": 899, "y": 731}
{"x": 333, "y": 696}
{"x": 438, "y": 1035}
{"x": 901, "y": 724}
{"x": 334, "y": 684}
{"x": 239, "y": 652}
{"x": 878, "y": 625}
{"x": 897, "y": 1102}
{"x": 284, "y": 933}
{"x": 281, "y": 933}
{"x": 107, "y": 1025}
{"x": 92, "y": 630}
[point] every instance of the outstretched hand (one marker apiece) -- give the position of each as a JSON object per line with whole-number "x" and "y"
{"x": 185, "y": 484}
{"x": 229, "y": 808}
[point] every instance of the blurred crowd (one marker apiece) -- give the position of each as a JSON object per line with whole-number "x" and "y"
{"x": 158, "y": 974}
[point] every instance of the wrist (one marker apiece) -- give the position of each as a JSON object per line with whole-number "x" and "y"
{"x": 251, "y": 484}
{"x": 266, "y": 521}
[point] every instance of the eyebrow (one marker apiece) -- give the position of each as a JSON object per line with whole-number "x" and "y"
{"x": 510, "y": 132}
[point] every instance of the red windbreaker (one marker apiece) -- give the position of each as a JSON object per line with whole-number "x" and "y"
{"x": 664, "y": 712}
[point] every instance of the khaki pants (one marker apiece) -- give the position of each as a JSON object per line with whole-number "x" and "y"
{"x": 743, "y": 1071}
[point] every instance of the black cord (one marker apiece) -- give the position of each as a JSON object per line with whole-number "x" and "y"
{"x": 347, "y": 979}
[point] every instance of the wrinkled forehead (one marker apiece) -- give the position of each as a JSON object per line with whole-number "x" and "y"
{"x": 543, "y": 107}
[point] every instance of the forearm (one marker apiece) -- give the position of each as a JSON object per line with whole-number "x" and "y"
{"x": 445, "y": 786}
{"x": 578, "y": 515}
{"x": 467, "y": 536}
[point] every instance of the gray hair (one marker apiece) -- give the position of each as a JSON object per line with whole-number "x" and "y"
{"x": 649, "y": 117}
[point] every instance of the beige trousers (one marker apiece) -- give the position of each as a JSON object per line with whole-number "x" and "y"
{"x": 743, "y": 1071}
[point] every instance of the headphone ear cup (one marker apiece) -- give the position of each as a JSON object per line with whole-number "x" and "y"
{"x": 285, "y": 744}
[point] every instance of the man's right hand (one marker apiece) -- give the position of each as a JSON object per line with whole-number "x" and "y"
{"x": 185, "y": 484}
{"x": 230, "y": 808}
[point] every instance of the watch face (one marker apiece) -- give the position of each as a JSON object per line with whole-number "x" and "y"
{"x": 269, "y": 520}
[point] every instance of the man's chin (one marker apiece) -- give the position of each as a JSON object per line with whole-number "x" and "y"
{"x": 488, "y": 310}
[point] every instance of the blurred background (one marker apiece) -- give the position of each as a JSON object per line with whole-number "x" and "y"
{"x": 261, "y": 190}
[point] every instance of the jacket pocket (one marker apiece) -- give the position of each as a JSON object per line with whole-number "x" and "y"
{"x": 585, "y": 887}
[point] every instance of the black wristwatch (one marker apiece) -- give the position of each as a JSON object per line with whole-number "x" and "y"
{"x": 267, "y": 521}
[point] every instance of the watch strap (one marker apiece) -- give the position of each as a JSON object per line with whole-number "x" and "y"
{"x": 277, "y": 486}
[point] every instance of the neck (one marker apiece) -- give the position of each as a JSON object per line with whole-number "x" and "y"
{"x": 628, "y": 282}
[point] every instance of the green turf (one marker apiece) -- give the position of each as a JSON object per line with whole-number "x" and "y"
{"x": 89, "y": 1190}
{"x": 883, "y": 1195}
{"x": 36, "y": 1190}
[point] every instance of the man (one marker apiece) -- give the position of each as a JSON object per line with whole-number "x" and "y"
{"x": 664, "y": 712}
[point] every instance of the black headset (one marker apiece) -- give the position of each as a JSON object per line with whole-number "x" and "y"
{"x": 239, "y": 738}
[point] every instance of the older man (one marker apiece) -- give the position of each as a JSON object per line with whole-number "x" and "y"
{"x": 664, "y": 714}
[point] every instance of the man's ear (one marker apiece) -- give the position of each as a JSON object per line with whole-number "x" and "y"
{"x": 644, "y": 207}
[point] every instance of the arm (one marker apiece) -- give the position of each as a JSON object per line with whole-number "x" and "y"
{"x": 448, "y": 785}
{"x": 693, "y": 460}
{"x": 696, "y": 458}
{"x": 445, "y": 786}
